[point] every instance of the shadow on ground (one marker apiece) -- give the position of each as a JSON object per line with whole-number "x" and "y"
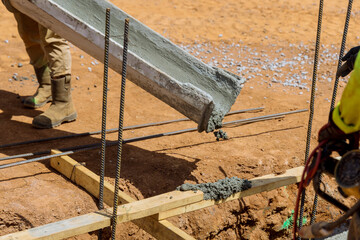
{"x": 151, "y": 172}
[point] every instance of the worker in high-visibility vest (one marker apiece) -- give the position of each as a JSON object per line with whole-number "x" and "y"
{"x": 50, "y": 56}
{"x": 344, "y": 120}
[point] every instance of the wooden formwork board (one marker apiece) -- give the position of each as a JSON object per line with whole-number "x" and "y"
{"x": 87, "y": 179}
{"x": 101, "y": 219}
{"x": 161, "y": 206}
{"x": 259, "y": 184}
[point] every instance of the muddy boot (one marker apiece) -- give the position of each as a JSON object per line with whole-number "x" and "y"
{"x": 43, "y": 93}
{"x": 61, "y": 109}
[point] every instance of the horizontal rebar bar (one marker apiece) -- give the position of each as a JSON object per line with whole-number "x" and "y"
{"x": 116, "y": 129}
{"x": 71, "y": 150}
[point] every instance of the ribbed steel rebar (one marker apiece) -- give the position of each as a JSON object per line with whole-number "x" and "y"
{"x": 121, "y": 119}
{"x": 312, "y": 103}
{"x": 342, "y": 49}
{"x": 71, "y": 150}
{"x": 104, "y": 113}
{"x": 116, "y": 129}
{"x": 333, "y": 99}
{"x": 104, "y": 109}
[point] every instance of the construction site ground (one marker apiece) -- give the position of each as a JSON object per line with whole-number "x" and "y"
{"x": 270, "y": 43}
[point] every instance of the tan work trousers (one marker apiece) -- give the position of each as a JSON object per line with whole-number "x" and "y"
{"x": 44, "y": 46}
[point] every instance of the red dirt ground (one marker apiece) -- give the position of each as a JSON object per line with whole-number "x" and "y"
{"x": 34, "y": 194}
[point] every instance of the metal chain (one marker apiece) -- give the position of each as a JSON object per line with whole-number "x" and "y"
{"x": 121, "y": 118}
{"x": 104, "y": 111}
{"x": 312, "y": 102}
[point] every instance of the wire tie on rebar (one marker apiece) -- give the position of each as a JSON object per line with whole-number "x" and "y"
{"x": 73, "y": 169}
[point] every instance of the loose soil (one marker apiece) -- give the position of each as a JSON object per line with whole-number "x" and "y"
{"x": 270, "y": 43}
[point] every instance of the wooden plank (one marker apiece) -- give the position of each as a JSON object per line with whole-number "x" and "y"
{"x": 259, "y": 184}
{"x": 87, "y": 179}
{"x": 162, "y": 229}
{"x": 101, "y": 219}
{"x": 63, "y": 229}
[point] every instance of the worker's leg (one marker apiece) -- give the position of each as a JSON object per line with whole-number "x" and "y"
{"x": 58, "y": 54}
{"x": 29, "y": 32}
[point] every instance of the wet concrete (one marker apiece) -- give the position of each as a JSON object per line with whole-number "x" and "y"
{"x": 221, "y": 189}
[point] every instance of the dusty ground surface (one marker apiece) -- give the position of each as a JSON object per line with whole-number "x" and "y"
{"x": 270, "y": 43}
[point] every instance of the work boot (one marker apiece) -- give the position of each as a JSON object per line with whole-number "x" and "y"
{"x": 43, "y": 93}
{"x": 61, "y": 109}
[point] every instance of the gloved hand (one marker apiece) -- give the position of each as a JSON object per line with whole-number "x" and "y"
{"x": 330, "y": 131}
{"x": 349, "y": 60}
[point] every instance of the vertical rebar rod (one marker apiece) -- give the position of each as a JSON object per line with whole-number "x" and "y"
{"x": 104, "y": 113}
{"x": 312, "y": 103}
{"x": 121, "y": 118}
{"x": 342, "y": 49}
{"x": 333, "y": 99}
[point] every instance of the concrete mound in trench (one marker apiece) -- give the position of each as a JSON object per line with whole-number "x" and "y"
{"x": 201, "y": 92}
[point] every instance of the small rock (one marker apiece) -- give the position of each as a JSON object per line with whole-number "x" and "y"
{"x": 6, "y": 41}
{"x": 19, "y": 65}
{"x": 89, "y": 68}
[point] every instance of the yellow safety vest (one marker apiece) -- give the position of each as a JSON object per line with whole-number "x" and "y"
{"x": 346, "y": 114}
